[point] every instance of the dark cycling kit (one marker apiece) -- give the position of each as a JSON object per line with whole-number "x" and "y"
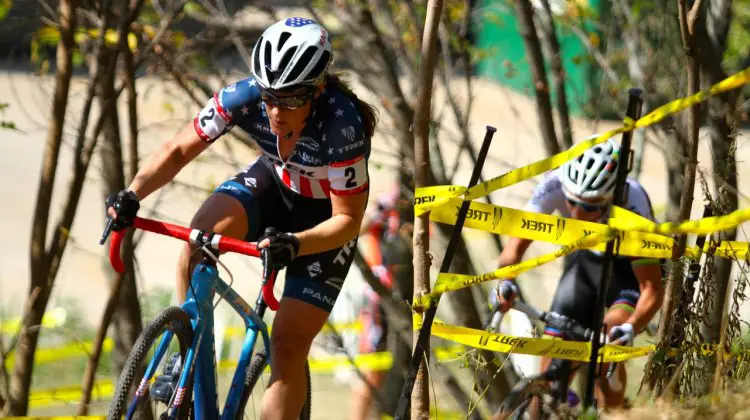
{"x": 294, "y": 195}
{"x": 576, "y": 292}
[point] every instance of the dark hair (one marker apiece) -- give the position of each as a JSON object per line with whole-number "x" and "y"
{"x": 369, "y": 112}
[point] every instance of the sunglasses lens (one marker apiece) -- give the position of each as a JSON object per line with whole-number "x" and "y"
{"x": 588, "y": 208}
{"x": 287, "y": 102}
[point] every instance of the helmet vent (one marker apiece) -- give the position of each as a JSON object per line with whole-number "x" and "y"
{"x": 303, "y": 61}
{"x": 282, "y": 40}
{"x": 256, "y": 58}
{"x": 321, "y": 65}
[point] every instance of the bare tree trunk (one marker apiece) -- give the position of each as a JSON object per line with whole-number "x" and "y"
{"x": 525, "y": 14}
{"x": 420, "y": 401}
{"x": 558, "y": 73}
{"x": 712, "y": 38}
{"x": 39, "y": 259}
{"x": 674, "y": 299}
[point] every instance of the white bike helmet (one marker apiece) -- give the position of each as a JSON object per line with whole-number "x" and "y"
{"x": 291, "y": 52}
{"x": 592, "y": 174}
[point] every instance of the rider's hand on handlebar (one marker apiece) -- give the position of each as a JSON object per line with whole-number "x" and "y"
{"x": 122, "y": 208}
{"x": 283, "y": 247}
{"x": 622, "y": 335}
{"x": 506, "y": 293}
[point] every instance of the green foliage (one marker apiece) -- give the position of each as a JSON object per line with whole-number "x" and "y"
{"x": 8, "y": 125}
{"x": 5, "y": 6}
{"x": 739, "y": 37}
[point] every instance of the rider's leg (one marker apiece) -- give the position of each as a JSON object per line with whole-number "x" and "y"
{"x": 311, "y": 287}
{"x": 294, "y": 327}
{"x": 613, "y": 396}
{"x": 220, "y": 213}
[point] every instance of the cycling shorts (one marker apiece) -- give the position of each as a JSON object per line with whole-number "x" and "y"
{"x": 315, "y": 279}
{"x": 577, "y": 290}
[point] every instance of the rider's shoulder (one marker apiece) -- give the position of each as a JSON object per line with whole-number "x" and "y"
{"x": 242, "y": 93}
{"x": 342, "y": 120}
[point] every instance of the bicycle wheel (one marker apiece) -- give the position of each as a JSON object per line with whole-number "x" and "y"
{"x": 174, "y": 320}
{"x": 523, "y": 402}
{"x": 257, "y": 366}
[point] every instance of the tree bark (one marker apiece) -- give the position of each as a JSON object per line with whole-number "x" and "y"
{"x": 420, "y": 400}
{"x": 525, "y": 14}
{"x": 39, "y": 260}
{"x": 558, "y": 74}
{"x": 712, "y": 39}
{"x": 669, "y": 330}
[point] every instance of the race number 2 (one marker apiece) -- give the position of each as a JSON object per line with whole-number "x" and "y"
{"x": 348, "y": 177}
{"x": 212, "y": 121}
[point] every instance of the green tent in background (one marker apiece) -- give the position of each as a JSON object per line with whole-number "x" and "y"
{"x": 504, "y": 55}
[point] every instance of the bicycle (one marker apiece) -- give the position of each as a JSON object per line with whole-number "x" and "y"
{"x": 196, "y": 393}
{"x": 546, "y": 394}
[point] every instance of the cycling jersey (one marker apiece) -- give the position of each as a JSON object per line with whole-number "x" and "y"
{"x": 548, "y": 197}
{"x": 331, "y": 154}
{"x": 576, "y": 292}
{"x": 330, "y": 157}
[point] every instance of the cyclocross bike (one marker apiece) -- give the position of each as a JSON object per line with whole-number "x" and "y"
{"x": 187, "y": 388}
{"x": 547, "y": 394}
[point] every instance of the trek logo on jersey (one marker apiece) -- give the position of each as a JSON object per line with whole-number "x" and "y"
{"x": 264, "y": 128}
{"x": 536, "y": 226}
{"x": 497, "y": 215}
{"x": 251, "y": 182}
{"x": 345, "y": 251}
{"x": 652, "y": 245}
{"x": 348, "y": 132}
{"x": 308, "y": 143}
{"x": 351, "y": 146}
{"x": 422, "y": 200}
{"x": 318, "y": 296}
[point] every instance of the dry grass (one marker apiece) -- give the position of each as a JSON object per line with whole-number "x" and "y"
{"x": 730, "y": 405}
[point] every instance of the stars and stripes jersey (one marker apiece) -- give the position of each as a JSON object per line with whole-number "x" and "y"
{"x": 331, "y": 155}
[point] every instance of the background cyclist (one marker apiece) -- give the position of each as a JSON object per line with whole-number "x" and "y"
{"x": 582, "y": 189}
{"x": 384, "y": 240}
{"x": 310, "y": 183}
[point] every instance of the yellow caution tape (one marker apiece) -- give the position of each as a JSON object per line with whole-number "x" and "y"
{"x": 103, "y": 389}
{"x": 53, "y": 318}
{"x": 549, "y": 228}
{"x": 502, "y": 343}
{"x": 449, "y": 281}
{"x": 426, "y": 201}
{"x": 704, "y": 226}
{"x": 56, "y": 418}
{"x": 55, "y": 354}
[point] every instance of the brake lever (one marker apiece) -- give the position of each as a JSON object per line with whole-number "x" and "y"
{"x": 107, "y": 230}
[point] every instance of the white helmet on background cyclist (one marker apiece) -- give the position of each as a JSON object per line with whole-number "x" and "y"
{"x": 592, "y": 175}
{"x": 291, "y": 52}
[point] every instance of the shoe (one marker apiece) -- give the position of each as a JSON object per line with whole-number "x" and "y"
{"x": 165, "y": 384}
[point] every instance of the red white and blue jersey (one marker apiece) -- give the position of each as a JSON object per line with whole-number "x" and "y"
{"x": 331, "y": 154}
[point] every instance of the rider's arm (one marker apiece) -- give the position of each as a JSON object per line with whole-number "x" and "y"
{"x": 342, "y": 227}
{"x": 215, "y": 119}
{"x": 349, "y": 182}
{"x": 513, "y": 251}
{"x": 167, "y": 161}
{"x": 648, "y": 274}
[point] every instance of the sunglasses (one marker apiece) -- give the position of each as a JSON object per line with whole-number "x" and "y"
{"x": 286, "y": 102}
{"x": 587, "y": 207}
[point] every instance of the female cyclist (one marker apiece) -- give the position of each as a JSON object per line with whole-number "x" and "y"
{"x": 310, "y": 183}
